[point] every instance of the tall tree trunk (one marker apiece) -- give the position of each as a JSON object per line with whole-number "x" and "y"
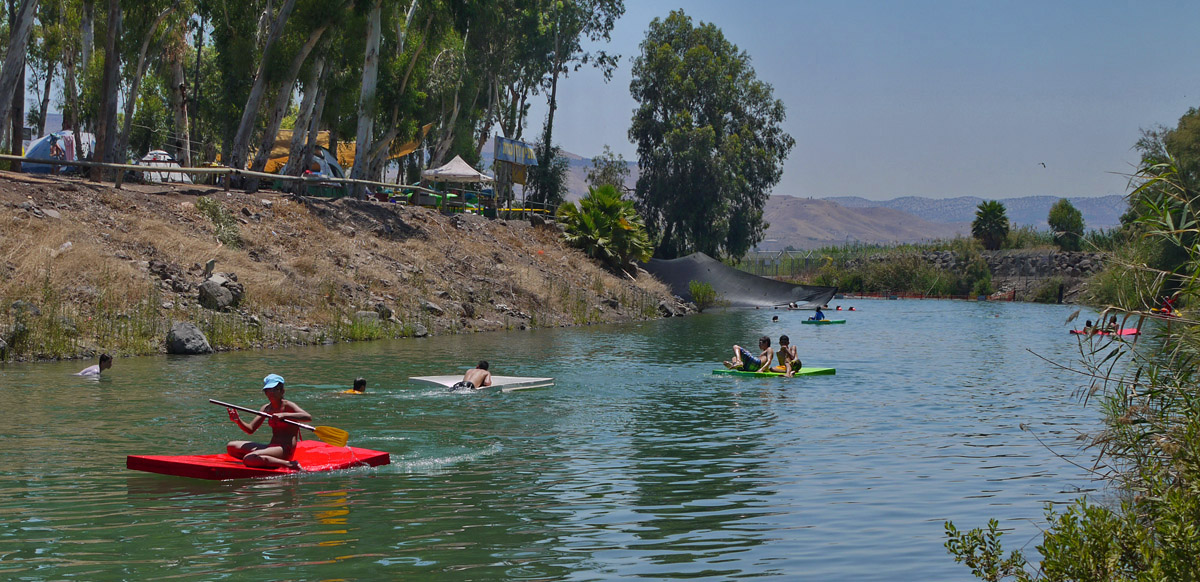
{"x": 366, "y": 100}
{"x": 87, "y": 30}
{"x": 12, "y": 76}
{"x": 282, "y": 99}
{"x": 196, "y": 93}
{"x": 241, "y": 141}
{"x": 314, "y": 129}
{"x": 548, "y": 150}
{"x": 18, "y": 121}
{"x": 106, "y": 127}
{"x": 44, "y": 106}
{"x": 304, "y": 119}
{"x": 393, "y": 127}
{"x": 70, "y": 94}
{"x": 179, "y": 102}
{"x": 135, "y": 85}
{"x": 486, "y": 131}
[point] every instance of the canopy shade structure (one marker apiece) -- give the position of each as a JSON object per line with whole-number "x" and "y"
{"x": 738, "y": 288}
{"x": 455, "y": 170}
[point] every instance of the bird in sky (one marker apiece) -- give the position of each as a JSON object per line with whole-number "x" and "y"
{"x": 1043, "y": 164}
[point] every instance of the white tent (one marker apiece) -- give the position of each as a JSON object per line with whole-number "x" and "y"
{"x": 455, "y": 170}
{"x": 161, "y": 159}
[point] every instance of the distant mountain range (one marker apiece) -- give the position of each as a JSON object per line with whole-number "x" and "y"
{"x": 1099, "y": 212}
{"x": 809, "y": 223}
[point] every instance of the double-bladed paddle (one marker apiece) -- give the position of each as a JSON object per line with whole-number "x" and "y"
{"x": 334, "y": 436}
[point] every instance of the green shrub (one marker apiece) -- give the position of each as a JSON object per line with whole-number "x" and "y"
{"x": 1047, "y": 292}
{"x": 703, "y": 295}
{"x": 225, "y": 224}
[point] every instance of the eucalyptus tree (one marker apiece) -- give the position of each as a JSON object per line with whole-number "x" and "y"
{"x": 14, "y": 61}
{"x": 366, "y": 95}
{"x": 241, "y": 140}
{"x": 43, "y": 58}
{"x": 106, "y": 119}
{"x": 154, "y": 33}
{"x": 318, "y": 16}
{"x": 709, "y": 140}
{"x": 609, "y": 168}
{"x": 568, "y": 23}
{"x": 507, "y": 58}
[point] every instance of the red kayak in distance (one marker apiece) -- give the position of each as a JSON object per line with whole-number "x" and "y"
{"x": 313, "y": 455}
{"x": 1126, "y": 331}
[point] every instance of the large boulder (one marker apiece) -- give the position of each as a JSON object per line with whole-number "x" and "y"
{"x": 221, "y": 292}
{"x": 185, "y": 338}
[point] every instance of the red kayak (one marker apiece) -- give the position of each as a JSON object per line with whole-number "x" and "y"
{"x": 313, "y": 455}
{"x": 1126, "y": 331}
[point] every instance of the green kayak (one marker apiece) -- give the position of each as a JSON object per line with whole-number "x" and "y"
{"x": 800, "y": 372}
{"x": 823, "y": 321}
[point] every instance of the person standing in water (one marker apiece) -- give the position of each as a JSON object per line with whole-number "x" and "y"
{"x": 284, "y": 436}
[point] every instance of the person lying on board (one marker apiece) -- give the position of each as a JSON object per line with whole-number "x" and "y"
{"x": 789, "y": 362}
{"x": 475, "y": 378}
{"x": 284, "y": 436}
{"x": 105, "y": 363}
{"x": 746, "y": 362}
{"x": 818, "y": 316}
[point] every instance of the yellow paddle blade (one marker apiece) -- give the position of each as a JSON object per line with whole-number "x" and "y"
{"x": 334, "y": 436}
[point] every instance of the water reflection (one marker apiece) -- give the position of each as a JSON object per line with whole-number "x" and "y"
{"x": 638, "y": 463}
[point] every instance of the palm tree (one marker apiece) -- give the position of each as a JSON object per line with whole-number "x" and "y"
{"x": 606, "y": 227}
{"x": 991, "y": 224}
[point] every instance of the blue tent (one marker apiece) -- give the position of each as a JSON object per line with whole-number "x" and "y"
{"x": 40, "y": 150}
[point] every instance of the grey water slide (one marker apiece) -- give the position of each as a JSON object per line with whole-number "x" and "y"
{"x": 738, "y": 288}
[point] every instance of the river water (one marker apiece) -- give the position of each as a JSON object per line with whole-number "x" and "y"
{"x": 638, "y": 464}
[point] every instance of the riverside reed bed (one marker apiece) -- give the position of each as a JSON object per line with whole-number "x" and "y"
{"x": 306, "y": 275}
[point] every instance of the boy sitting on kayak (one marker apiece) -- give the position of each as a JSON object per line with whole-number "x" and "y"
{"x": 745, "y": 361}
{"x": 284, "y": 436}
{"x": 818, "y": 316}
{"x": 789, "y": 362}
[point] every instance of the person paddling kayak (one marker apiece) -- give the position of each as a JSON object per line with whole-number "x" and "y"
{"x": 284, "y": 436}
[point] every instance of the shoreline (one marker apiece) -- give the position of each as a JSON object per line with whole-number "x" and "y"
{"x": 89, "y": 269}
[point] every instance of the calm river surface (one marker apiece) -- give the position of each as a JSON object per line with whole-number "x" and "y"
{"x": 637, "y": 464}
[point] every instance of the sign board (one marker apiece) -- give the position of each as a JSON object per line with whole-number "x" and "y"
{"x": 513, "y": 151}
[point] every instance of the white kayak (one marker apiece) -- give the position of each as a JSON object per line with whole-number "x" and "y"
{"x": 504, "y": 383}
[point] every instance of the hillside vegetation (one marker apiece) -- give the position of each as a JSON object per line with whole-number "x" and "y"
{"x": 88, "y": 268}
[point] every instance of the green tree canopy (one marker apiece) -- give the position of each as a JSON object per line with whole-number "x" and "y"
{"x": 1067, "y": 223}
{"x": 990, "y": 225}
{"x": 608, "y": 168}
{"x": 710, "y": 145}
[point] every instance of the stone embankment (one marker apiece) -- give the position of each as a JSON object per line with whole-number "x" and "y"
{"x": 1026, "y": 271}
{"x": 1026, "y": 263}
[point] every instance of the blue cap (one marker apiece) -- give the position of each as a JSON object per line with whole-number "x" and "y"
{"x": 271, "y": 381}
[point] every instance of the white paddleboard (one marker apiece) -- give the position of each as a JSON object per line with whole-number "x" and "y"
{"x": 504, "y": 383}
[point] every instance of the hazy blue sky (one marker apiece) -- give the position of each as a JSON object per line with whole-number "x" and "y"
{"x": 932, "y": 98}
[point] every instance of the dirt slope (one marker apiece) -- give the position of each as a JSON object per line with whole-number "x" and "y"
{"x": 87, "y": 268}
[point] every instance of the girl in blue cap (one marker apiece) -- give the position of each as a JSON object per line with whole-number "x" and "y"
{"x": 284, "y": 436}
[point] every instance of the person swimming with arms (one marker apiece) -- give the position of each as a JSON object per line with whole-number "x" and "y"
{"x": 284, "y": 437}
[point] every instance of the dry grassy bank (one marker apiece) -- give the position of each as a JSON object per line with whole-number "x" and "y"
{"x": 86, "y": 268}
